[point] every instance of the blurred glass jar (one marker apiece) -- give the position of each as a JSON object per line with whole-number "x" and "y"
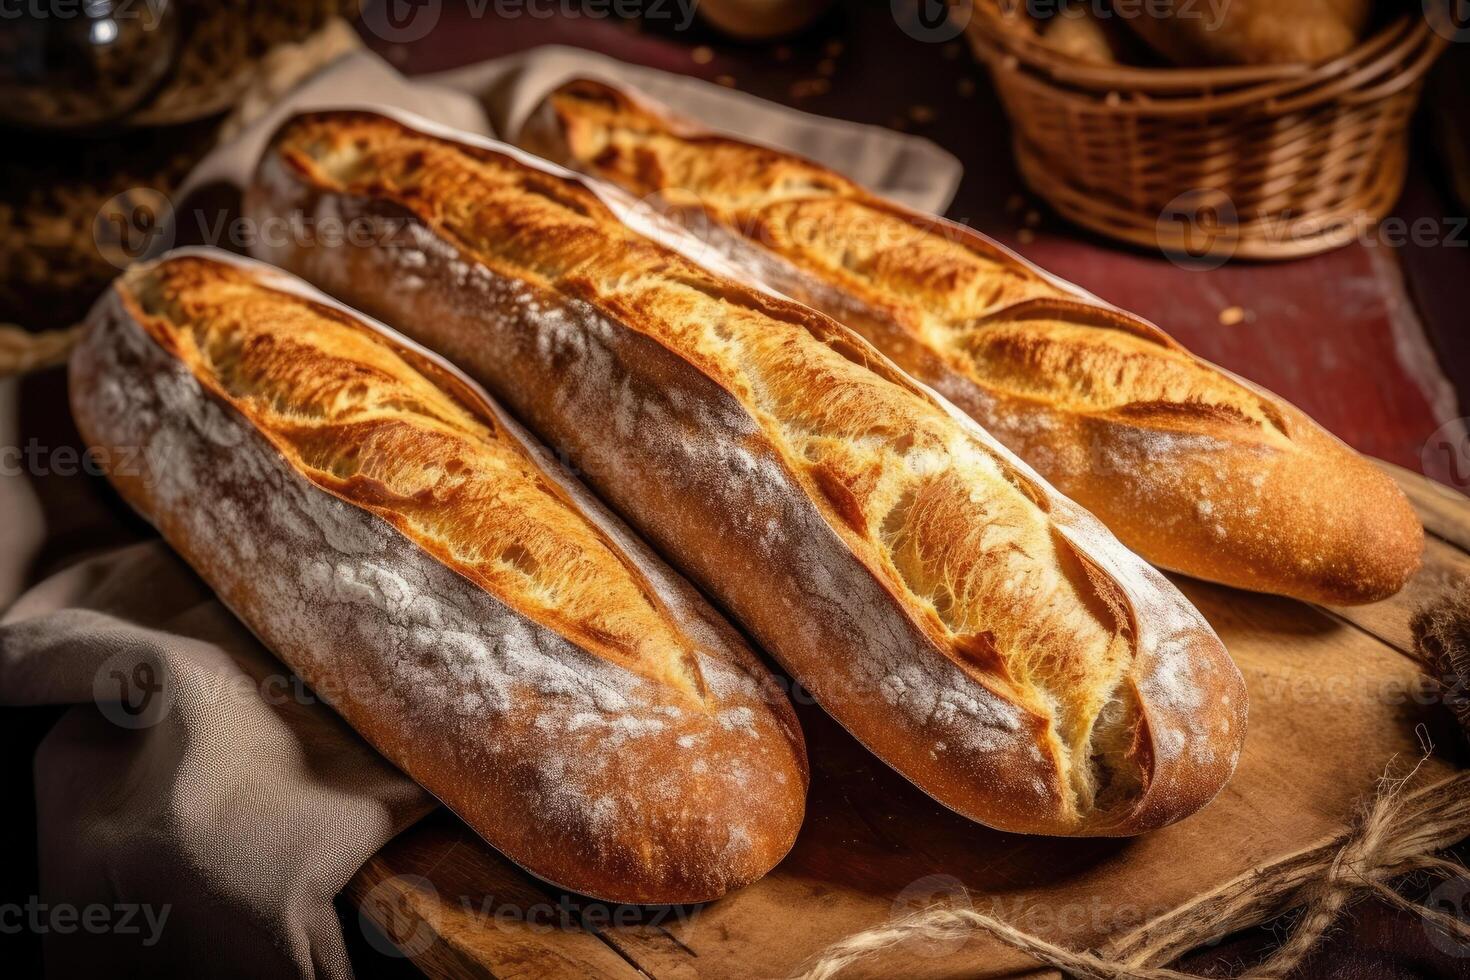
{"x": 72, "y": 64}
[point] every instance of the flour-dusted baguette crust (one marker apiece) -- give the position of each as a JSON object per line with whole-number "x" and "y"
{"x": 1196, "y": 469}
{"x": 977, "y": 631}
{"x": 475, "y": 616}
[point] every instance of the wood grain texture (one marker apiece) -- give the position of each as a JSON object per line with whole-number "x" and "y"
{"x": 1334, "y": 702}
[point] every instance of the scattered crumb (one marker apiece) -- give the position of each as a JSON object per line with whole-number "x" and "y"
{"x": 833, "y": 49}
{"x": 702, "y": 55}
{"x": 726, "y": 80}
{"x": 807, "y": 87}
{"x": 966, "y": 87}
{"x": 922, "y": 114}
{"x": 1025, "y": 236}
{"x": 1015, "y": 203}
{"x": 1032, "y": 218}
{"x": 1231, "y": 315}
{"x": 827, "y": 67}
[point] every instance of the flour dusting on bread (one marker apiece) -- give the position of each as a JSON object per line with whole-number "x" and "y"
{"x": 565, "y": 744}
{"x": 1107, "y": 407}
{"x": 927, "y": 586}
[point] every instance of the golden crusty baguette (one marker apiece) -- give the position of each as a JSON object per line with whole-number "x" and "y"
{"x": 478, "y": 618}
{"x": 1254, "y": 32}
{"x": 977, "y": 631}
{"x": 1195, "y": 469}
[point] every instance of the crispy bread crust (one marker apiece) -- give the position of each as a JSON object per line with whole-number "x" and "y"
{"x": 977, "y": 631}
{"x": 293, "y": 450}
{"x": 1196, "y": 469}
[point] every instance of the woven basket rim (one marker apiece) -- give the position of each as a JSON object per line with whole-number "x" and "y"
{"x": 1304, "y": 153}
{"x": 1394, "y": 57}
{"x": 1271, "y": 239}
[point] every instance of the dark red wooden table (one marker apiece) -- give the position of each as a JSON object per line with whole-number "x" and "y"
{"x": 1368, "y": 338}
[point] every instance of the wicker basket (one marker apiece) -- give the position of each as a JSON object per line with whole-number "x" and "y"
{"x": 1262, "y": 162}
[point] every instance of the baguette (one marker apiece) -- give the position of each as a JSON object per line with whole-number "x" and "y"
{"x": 1255, "y": 32}
{"x": 386, "y": 531}
{"x": 1195, "y": 469}
{"x": 985, "y": 637}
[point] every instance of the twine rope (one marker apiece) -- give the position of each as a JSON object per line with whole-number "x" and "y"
{"x": 1396, "y": 834}
{"x": 283, "y": 67}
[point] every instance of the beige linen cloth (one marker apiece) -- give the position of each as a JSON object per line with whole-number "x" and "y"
{"x": 194, "y": 780}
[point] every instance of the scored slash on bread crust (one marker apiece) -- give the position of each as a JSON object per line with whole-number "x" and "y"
{"x": 974, "y": 629}
{"x": 344, "y": 408}
{"x": 482, "y": 622}
{"x": 1197, "y": 470}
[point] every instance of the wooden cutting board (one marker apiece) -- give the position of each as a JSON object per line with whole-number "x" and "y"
{"x": 1335, "y": 701}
